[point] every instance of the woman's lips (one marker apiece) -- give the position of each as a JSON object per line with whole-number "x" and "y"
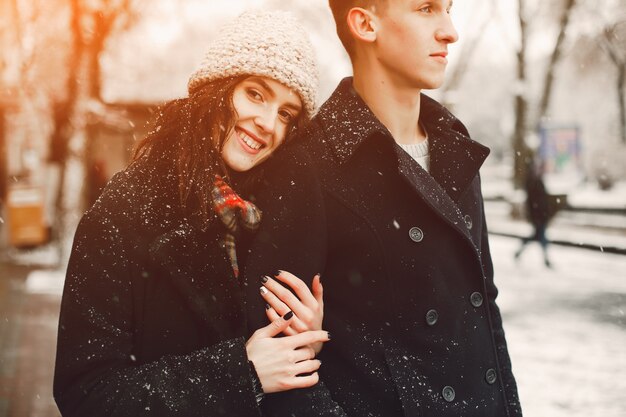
{"x": 248, "y": 142}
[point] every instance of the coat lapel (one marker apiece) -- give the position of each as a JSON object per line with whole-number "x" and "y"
{"x": 454, "y": 157}
{"x": 431, "y": 192}
{"x": 348, "y": 122}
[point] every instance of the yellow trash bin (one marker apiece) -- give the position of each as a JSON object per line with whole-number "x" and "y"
{"x": 25, "y": 216}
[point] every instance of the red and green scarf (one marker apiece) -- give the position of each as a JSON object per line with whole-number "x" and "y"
{"x": 233, "y": 211}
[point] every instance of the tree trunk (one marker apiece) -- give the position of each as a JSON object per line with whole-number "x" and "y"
{"x": 521, "y": 151}
{"x": 621, "y": 85}
{"x": 63, "y": 117}
{"x": 613, "y": 45}
{"x": 465, "y": 56}
{"x": 3, "y": 159}
{"x": 554, "y": 59}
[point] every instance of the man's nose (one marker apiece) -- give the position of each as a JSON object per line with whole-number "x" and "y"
{"x": 447, "y": 32}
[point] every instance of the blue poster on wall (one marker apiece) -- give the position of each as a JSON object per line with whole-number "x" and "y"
{"x": 560, "y": 150}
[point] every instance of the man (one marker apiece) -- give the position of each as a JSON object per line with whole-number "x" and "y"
{"x": 381, "y": 194}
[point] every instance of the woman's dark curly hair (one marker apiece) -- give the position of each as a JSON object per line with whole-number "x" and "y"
{"x": 192, "y": 131}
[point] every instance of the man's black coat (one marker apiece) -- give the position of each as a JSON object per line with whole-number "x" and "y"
{"x": 405, "y": 263}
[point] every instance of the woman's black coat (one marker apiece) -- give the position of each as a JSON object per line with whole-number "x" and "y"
{"x": 151, "y": 318}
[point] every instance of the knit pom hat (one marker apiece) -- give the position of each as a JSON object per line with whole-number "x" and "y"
{"x": 269, "y": 44}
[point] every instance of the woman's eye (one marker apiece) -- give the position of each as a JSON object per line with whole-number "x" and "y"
{"x": 426, "y": 9}
{"x": 254, "y": 94}
{"x": 286, "y": 116}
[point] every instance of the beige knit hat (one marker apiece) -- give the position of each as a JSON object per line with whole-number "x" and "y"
{"x": 269, "y": 44}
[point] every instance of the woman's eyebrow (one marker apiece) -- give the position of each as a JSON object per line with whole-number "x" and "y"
{"x": 264, "y": 85}
{"x": 272, "y": 93}
{"x": 293, "y": 106}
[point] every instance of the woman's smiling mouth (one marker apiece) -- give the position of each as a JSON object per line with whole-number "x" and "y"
{"x": 252, "y": 144}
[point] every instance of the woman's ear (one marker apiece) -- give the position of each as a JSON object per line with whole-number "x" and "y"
{"x": 362, "y": 24}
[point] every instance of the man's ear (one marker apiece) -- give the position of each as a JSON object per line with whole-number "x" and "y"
{"x": 362, "y": 24}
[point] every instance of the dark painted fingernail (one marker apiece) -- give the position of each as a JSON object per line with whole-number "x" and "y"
{"x": 328, "y": 335}
{"x": 267, "y": 306}
{"x": 288, "y": 315}
{"x": 263, "y": 279}
{"x": 320, "y": 277}
{"x": 277, "y": 273}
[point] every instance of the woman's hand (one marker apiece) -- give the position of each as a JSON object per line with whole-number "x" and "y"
{"x": 308, "y": 306}
{"x": 279, "y": 360}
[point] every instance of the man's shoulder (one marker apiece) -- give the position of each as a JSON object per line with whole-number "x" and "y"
{"x": 308, "y": 145}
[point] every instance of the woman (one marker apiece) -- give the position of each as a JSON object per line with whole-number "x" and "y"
{"x": 152, "y": 319}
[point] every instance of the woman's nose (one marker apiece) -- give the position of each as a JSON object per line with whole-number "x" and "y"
{"x": 267, "y": 120}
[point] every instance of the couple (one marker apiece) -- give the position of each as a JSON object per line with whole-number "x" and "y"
{"x": 379, "y": 192}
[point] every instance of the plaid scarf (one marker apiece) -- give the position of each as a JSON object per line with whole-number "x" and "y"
{"x": 233, "y": 211}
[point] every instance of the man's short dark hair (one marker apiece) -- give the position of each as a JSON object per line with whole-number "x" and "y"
{"x": 340, "y": 9}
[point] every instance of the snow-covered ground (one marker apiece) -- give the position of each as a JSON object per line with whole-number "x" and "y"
{"x": 566, "y": 329}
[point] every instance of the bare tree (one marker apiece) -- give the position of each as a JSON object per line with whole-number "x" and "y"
{"x": 91, "y": 25}
{"x": 521, "y": 151}
{"x": 472, "y": 41}
{"x": 522, "y": 119}
{"x": 548, "y": 82}
{"x": 613, "y": 41}
{"x": 3, "y": 161}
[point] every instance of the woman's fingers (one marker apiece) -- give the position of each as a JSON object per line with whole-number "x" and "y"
{"x": 305, "y": 311}
{"x": 306, "y": 367}
{"x": 318, "y": 290}
{"x": 304, "y": 353}
{"x": 304, "y": 381}
{"x": 272, "y": 315}
{"x": 307, "y": 338}
{"x": 271, "y": 298}
{"x": 279, "y": 361}
{"x": 282, "y": 308}
{"x": 298, "y": 286}
{"x": 275, "y": 327}
{"x": 284, "y": 295}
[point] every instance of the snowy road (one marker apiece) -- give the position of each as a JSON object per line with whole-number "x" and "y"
{"x": 566, "y": 329}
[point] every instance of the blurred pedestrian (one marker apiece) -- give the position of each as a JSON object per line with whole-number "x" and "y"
{"x": 383, "y": 196}
{"x": 152, "y": 319}
{"x": 537, "y": 210}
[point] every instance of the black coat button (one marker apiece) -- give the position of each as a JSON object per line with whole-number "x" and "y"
{"x": 468, "y": 221}
{"x": 416, "y": 234}
{"x": 476, "y": 299}
{"x": 448, "y": 393}
{"x": 491, "y": 376}
{"x": 431, "y": 317}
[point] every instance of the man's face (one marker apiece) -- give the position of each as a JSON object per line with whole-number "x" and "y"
{"x": 412, "y": 41}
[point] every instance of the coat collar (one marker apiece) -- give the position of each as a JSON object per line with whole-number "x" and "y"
{"x": 455, "y": 158}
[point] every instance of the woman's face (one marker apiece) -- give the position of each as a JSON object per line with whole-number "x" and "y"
{"x": 265, "y": 111}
